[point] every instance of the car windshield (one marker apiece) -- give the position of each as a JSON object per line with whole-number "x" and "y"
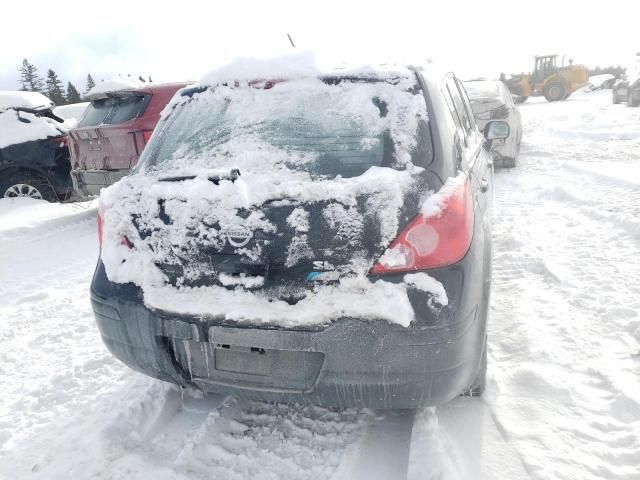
{"x": 314, "y": 126}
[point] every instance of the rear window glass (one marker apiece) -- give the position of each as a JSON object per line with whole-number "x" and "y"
{"x": 114, "y": 110}
{"x": 96, "y": 112}
{"x": 483, "y": 89}
{"x": 127, "y": 108}
{"x": 322, "y": 128}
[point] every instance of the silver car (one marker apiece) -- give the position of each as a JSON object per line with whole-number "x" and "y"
{"x": 491, "y": 100}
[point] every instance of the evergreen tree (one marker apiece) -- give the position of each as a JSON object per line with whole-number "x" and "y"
{"x": 55, "y": 89}
{"x": 73, "y": 96}
{"x": 29, "y": 77}
{"x": 90, "y": 83}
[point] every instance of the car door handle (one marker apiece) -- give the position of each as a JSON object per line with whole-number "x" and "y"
{"x": 484, "y": 184}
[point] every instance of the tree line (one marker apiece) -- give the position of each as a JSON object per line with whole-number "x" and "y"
{"x": 51, "y": 86}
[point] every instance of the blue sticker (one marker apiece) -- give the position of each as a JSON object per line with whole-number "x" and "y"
{"x": 312, "y": 276}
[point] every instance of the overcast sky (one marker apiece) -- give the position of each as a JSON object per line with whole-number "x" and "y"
{"x": 184, "y": 40}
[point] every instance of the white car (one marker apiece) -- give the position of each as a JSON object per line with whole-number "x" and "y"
{"x": 491, "y": 100}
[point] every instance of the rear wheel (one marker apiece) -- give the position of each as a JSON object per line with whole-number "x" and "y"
{"x": 554, "y": 91}
{"x": 508, "y": 162}
{"x": 26, "y": 185}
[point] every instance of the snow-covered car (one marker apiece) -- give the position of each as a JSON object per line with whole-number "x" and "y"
{"x": 620, "y": 90}
{"x": 627, "y": 89}
{"x": 34, "y": 156}
{"x": 319, "y": 238}
{"x": 491, "y": 100}
{"x": 113, "y": 131}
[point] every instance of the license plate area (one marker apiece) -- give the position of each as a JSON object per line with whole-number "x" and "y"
{"x": 209, "y": 364}
{"x": 247, "y": 360}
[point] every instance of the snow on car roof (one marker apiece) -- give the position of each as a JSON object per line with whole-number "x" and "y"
{"x": 113, "y": 85}
{"x": 297, "y": 66}
{"x": 19, "y": 99}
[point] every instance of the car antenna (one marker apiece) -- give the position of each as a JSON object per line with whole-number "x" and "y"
{"x": 291, "y": 40}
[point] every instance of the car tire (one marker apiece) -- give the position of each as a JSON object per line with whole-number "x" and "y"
{"x": 26, "y": 184}
{"x": 508, "y": 162}
{"x": 480, "y": 383}
{"x": 555, "y": 91}
{"x": 520, "y": 99}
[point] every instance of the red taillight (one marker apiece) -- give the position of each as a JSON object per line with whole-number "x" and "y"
{"x": 62, "y": 141}
{"x": 100, "y": 221}
{"x": 146, "y": 135}
{"x": 433, "y": 241}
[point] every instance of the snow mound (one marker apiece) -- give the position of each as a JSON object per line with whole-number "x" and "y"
{"x": 11, "y": 99}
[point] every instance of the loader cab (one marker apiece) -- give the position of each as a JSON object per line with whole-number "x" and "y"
{"x": 544, "y": 67}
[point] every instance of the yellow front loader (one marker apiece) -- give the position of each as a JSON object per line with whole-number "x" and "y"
{"x": 548, "y": 79}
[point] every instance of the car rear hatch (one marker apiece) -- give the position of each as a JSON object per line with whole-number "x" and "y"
{"x": 273, "y": 189}
{"x": 281, "y": 247}
{"x": 106, "y": 137}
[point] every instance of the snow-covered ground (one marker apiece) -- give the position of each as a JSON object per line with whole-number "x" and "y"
{"x": 563, "y": 400}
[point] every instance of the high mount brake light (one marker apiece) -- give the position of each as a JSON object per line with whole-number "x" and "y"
{"x": 432, "y": 241}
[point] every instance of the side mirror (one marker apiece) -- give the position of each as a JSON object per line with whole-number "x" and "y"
{"x": 497, "y": 130}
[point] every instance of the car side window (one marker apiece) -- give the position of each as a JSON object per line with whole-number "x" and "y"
{"x": 452, "y": 109}
{"x": 458, "y": 106}
{"x": 467, "y": 105}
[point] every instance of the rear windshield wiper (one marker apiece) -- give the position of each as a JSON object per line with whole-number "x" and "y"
{"x": 232, "y": 175}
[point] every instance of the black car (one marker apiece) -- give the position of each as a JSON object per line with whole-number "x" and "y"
{"x": 321, "y": 239}
{"x": 34, "y": 154}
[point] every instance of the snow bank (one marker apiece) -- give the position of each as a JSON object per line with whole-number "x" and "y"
{"x": 31, "y": 127}
{"x": 21, "y": 215}
{"x": 16, "y": 99}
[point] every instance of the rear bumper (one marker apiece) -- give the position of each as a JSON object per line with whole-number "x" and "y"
{"x": 90, "y": 182}
{"x": 349, "y": 363}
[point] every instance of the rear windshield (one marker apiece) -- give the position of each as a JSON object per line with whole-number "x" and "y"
{"x": 339, "y": 128}
{"x": 114, "y": 110}
{"x": 483, "y": 89}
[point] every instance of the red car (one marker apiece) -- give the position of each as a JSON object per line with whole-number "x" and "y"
{"x": 112, "y": 133}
